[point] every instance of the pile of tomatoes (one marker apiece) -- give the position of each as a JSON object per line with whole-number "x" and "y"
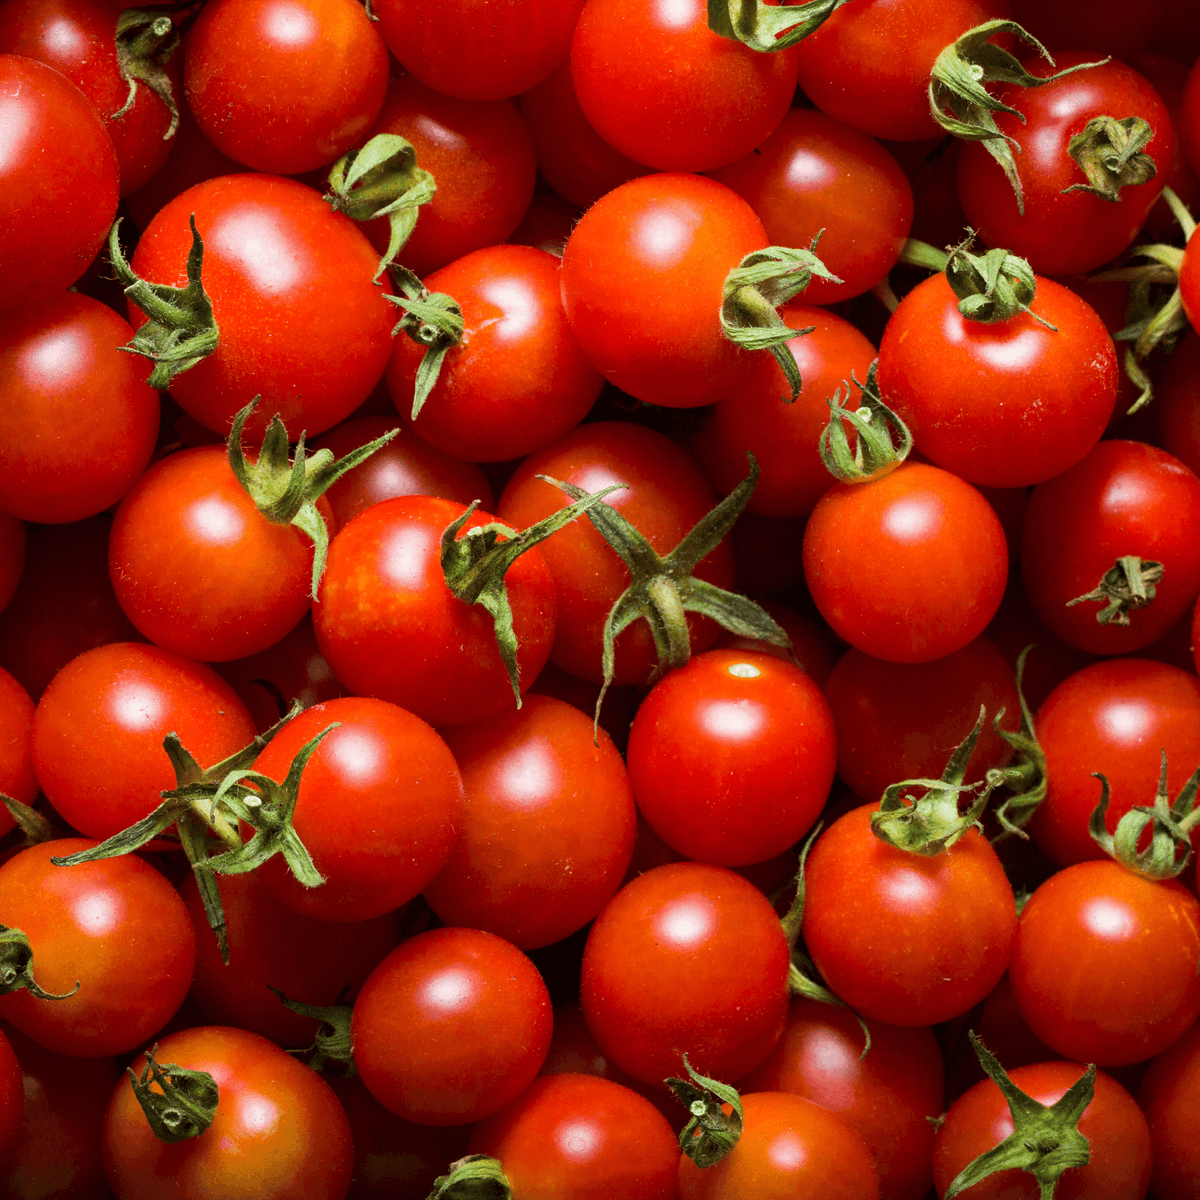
{"x": 671, "y": 622}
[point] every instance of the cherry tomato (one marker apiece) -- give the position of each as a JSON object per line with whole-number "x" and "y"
{"x": 1170, "y": 1098}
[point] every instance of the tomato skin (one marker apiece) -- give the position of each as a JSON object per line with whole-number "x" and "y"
{"x": 905, "y": 938}
{"x": 789, "y": 1149}
{"x": 324, "y": 56}
{"x": 580, "y": 1137}
{"x": 1116, "y": 1131}
{"x": 451, "y": 1026}
{"x": 98, "y": 731}
{"x": 1006, "y": 404}
{"x": 687, "y": 958}
{"x": 1178, "y": 402}
{"x": 907, "y": 568}
{"x": 17, "y": 778}
{"x": 1104, "y": 963}
{"x": 731, "y": 757}
{"x": 517, "y": 380}
{"x": 1170, "y": 1098}
{"x": 890, "y": 1097}
{"x": 656, "y": 83}
{"x": 642, "y": 275}
{"x": 57, "y": 208}
{"x": 1115, "y": 717}
{"x": 398, "y": 777}
{"x": 1072, "y": 233}
{"x": 117, "y": 927}
{"x": 300, "y": 321}
{"x": 1122, "y": 498}
{"x": 277, "y": 1123}
{"x": 391, "y": 628}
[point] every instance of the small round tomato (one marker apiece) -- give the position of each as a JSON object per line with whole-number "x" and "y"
{"x": 116, "y": 928}
{"x": 278, "y": 1124}
{"x": 451, "y": 1026}
{"x": 907, "y": 568}
{"x": 731, "y": 757}
{"x": 1104, "y": 963}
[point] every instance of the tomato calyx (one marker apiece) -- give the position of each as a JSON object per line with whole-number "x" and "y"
{"x": 146, "y": 38}
{"x": 474, "y": 565}
{"x": 431, "y": 319}
{"x": 753, "y": 290}
{"x": 184, "y": 1104}
{"x": 662, "y": 589}
{"x": 1025, "y": 779}
{"x": 331, "y": 1043}
{"x": 883, "y": 440}
{"x": 29, "y": 821}
{"x": 475, "y": 1177}
{"x": 1129, "y": 584}
{"x": 765, "y": 27}
{"x": 1111, "y": 153}
{"x": 711, "y": 1132}
{"x": 932, "y": 823}
{"x": 960, "y": 102}
{"x": 16, "y": 967}
{"x": 1045, "y": 1140}
{"x": 994, "y": 286}
{"x": 1170, "y": 826}
{"x": 285, "y": 488}
{"x": 382, "y": 179}
{"x": 182, "y": 329}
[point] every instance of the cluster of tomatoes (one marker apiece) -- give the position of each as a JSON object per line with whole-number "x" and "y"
{"x": 519, "y": 553}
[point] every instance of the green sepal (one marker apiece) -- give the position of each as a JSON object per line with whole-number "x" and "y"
{"x": 182, "y": 329}
{"x": 1111, "y": 153}
{"x": 960, "y": 102}
{"x": 382, "y": 179}
{"x": 661, "y": 587}
{"x": 1045, "y": 1140}
{"x": 146, "y": 38}
{"x": 932, "y": 824}
{"x": 16, "y": 967}
{"x": 710, "y": 1133}
{"x": 474, "y": 566}
{"x": 476, "y": 1177}
{"x": 1026, "y": 778}
{"x": 995, "y": 286}
{"x": 29, "y": 821}
{"x": 1170, "y": 825}
{"x": 183, "y": 1106}
{"x": 285, "y": 488}
{"x": 1127, "y": 585}
{"x": 875, "y": 452}
{"x": 765, "y": 27}
{"x": 332, "y": 1043}
{"x": 754, "y": 289}
{"x": 431, "y": 319}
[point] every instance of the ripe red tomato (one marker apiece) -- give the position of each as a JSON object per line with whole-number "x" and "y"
{"x": 907, "y": 568}
{"x": 277, "y": 1123}
{"x": 87, "y": 924}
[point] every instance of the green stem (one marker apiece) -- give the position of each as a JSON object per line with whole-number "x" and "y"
{"x": 917, "y": 253}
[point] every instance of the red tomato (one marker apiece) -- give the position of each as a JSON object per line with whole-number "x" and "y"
{"x": 657, "y": 84}
{"x": 87, "y": 924}
{"x": 789, "y": 1149}
{"x": 1104, "y": 964}
{"x": 687, "y": 958}
{"x": 906, "y": 938}
{"x": 391, "y": 628}
{"x": 99, "y": 727}
{"x": 1117, "y": 1136}
{"x": 17, "y": 780}
{"x": 1005, "y": 404}
{"x": 731, "y": 757}
{"x": 1170, "y": 1098}
{"x": 57, "y": 208}
{"x": 277, "y": 1123}
{"x": 579, "y": 1137}
{"x": 641, "y": 279}
{"x": 907, "y": 568}
{"x": 284, "y": 86}
{"x": 890, "y": 1096}
{"x": 451, "y": 1026}
{"x": 517, "y": 380}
